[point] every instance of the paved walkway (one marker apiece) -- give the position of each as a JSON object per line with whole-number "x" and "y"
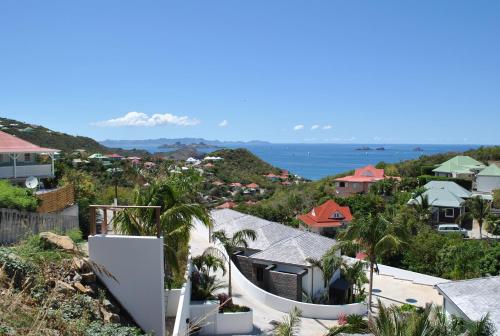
{"x": 263, "y": 314}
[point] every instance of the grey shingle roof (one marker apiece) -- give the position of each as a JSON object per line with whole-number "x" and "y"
{"x": 297, "y": 249}
{"x": 276, "y": 242}
{"x": 475, "y": 297}
{"x": 440, "y": 198}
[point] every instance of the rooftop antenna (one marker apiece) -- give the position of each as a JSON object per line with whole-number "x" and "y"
{"x": 31, "y": 182}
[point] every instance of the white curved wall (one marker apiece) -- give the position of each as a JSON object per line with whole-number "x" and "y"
{"x": 309, "y": 310}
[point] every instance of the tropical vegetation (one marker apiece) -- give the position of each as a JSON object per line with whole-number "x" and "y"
{"x": 231, "y": 244}
{"x": 411, "y": 321}
{"x": 177, "y": 216}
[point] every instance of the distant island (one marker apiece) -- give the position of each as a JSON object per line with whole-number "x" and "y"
{"x": 178, "y": 142}
{"x": 365, "y": 148}
{"x": 179, "y": 145}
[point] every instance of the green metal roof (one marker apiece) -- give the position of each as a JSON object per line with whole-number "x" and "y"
{"x": 459, "y": 164}
{"x": 440, "y": 198}
{"x": 491, "y": 170}
{"x": 452, "y": 187}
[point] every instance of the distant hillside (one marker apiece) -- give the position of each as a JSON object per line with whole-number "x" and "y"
{"x": 240, "y": 165}
{"x": 45, "y": 137}
{"x": 179, "y": 141}
{"x": 182, "y": 154}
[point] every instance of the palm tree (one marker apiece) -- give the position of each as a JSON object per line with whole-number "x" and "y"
{"x": 176, "y": 218}
{"x": 479, "y": 209}
{"x": 204, "y": 284}
{"x": 231, "y": 244}
{"x": 208, "y": 262}
{"x": 355, "y": 275}
{"x": 422, "y": 205}
{"x": 372, "y": 235}
{"x": 431, "y": 321}
{"x": 290, "y": 326}
{"x": 328, "y": 264}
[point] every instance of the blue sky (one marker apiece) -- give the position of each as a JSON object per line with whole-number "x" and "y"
{"x": 361, "y": 71}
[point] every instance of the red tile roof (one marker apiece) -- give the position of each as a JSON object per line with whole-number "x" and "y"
{"x": 323, "y": 215}
{"x": 235, "y": 184}
{"x": 252, "y": 185}
{"x": 227, "y": 205}
{"x": 12, "y": 144}
{"x": 365, "y": 174}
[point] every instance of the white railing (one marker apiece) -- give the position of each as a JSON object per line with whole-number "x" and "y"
{"x": 25, "y": 171}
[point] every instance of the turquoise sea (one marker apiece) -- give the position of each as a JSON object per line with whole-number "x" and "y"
{"x": 314, "y": 161}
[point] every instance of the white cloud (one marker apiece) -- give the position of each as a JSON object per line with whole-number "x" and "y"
{"x": 223, "y": 123}
{"x": 327, "y": 127}
{"x": 313, "y": 127}
{"x": 377, "y": 138}
{"x": 298, "y": 127}
{"x": 142, "y": 119}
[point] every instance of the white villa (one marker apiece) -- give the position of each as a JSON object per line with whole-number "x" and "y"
{"x": 20, "y": 159}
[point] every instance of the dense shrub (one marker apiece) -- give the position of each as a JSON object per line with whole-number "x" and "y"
{"x": 12, "y": 197}
{"x": 496, "y": 199}
{"x": 15, "y": 267}
{"x": 96, "y": 328}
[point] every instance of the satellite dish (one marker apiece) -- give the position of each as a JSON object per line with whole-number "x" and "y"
{"x": 31, "y": 182}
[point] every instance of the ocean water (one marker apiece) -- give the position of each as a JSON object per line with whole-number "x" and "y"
{"x": 314, "y": 161}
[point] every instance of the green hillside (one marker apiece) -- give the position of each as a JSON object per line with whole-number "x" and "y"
{"x": 240, "y": 165}
{"x": 45, "y": 137}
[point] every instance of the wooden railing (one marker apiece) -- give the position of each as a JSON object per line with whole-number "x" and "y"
{"x": 57, "y": 199}
{"x": 116, "y": 208}
{"x": 16, "y": 225}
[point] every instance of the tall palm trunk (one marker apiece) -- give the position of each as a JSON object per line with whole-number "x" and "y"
{"x": 480, "y": 222}
{"x": 230, "y": 287}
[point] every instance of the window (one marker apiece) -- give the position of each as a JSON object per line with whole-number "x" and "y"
{"x": 341, "y": 185}
{"x": 260, "y": 274}
{"x": 27, "y": 157}
{"x": 354, "y": 185}
{"x": 337, "y": 215}
{"x": 449, "y": 212}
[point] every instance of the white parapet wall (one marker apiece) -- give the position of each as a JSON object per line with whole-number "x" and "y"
{"x": 137, "y": 281}
{"x": 309, "y": 310}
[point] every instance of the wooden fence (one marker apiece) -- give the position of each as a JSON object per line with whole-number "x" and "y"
{"x": 56, "y": 200}
{"x": 16, "y": 225}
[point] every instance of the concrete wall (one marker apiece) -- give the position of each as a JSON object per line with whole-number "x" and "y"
{"x": 172, "y": 299}
{"x": 487, "y": 183}
{"x": 136, "y": 263}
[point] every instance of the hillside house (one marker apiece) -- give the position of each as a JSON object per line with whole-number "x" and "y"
{"x": 276, "y": 260}
{"x": 488, "y": 179}
{"x": 447, "y": 200}
{"x": 20, "y": 159}
{"x": 460, "y": 166}
{"x": 360, "y": 182}
{"x": 327, "y": 218}
{"x": 472, "y": 299}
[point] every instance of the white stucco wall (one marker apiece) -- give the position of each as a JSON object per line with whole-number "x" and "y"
{"x": 487, "y": 183}
{"x": 183, "y": 309}
{"x": 137, "y": 265}
{"x": 172, "y": 297}
{"x": 234, "y": 323}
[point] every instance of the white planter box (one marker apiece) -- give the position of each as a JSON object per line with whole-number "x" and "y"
{"x": 235, "y": 323}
